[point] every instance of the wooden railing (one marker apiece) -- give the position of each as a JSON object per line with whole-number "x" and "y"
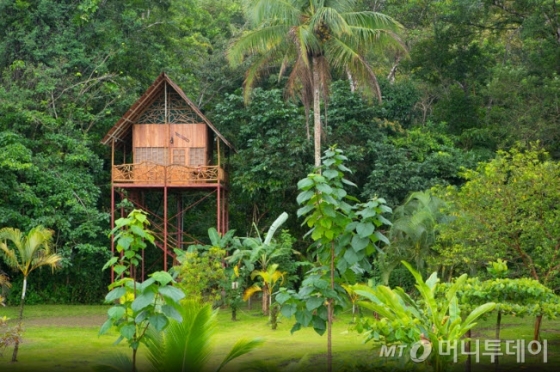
{"x": 151, "y": 173}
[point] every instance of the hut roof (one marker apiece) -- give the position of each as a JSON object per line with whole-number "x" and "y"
{"x": 121, "y": 132}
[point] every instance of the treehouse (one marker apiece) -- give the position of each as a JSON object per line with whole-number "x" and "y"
{"x": 166, "y": 159}
{"x": 164, "y": 139}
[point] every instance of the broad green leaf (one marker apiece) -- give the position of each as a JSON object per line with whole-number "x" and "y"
{"x": 359, "y": 243}
{"x": 382, "y": 237}
{"x": 296, "y": 327}
{"x": 313, "y": 302}
{"x": 171, "y": 312}
{"x": 171, "y": 292}
{"x": 319, "y": 325}
{"x": 288, "y": 310}
{"x": 304, "y": 196}
{"x": 162, "y": 277}
{"x": 124, "y": 242}
{"x": 105, "y": 327}
{"x": 115, "y": 294}
{"x": 142, "y": 301}
{"x": 119, "y": 269}
{"x": 324, "y": 188}
{"x": 116, "y": 312}
{"x": 303, "y": 317}
{"x": 142, "y": 315}
{"x": 330, "y": 174}
{"x": 351, "y": 257}
{"x": 305, "y": 184}
{"x": 128, "y": 331}
{"x": 365, "y": 229}
{"x": 304, "y": 210}
{"x": 159, "y": 321}
{"x": 282, "y": 297}
{"x": 110, "y": 263}
{"x": 141, "y": 287}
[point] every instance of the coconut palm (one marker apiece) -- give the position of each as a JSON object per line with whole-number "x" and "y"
{"x": 313, "y": 38}
{"x": 25, "y": 253}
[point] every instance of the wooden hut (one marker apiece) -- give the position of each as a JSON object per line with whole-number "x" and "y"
{"x": 164, "y": 144}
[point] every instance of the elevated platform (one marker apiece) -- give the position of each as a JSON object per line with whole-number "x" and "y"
{"x": 153, "y": 175}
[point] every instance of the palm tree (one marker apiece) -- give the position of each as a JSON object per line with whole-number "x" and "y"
{"x": 313, "y": 37}
{"x": 270, "y": 277}
{"x": 414, "y": 231}
{"x": 25, "y": 254}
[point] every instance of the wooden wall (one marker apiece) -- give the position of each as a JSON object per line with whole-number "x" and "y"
{"x": 173, "y": 136}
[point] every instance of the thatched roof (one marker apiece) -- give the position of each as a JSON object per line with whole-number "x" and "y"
{"x": 121, "y": 132}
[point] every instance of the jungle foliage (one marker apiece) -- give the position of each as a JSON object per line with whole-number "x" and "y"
{"x": 479, "y": 76}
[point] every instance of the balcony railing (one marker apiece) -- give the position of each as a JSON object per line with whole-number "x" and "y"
{"x": 151, "y": 173}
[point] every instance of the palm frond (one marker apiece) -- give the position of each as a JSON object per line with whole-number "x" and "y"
{"x": 330, "y": 19}
{"x": 184, "y": 345}
{"x": 250, "y": 291}
{"x": 51, "y": 260}
{"x": 256, "y": 42}
{"x": 10, "y": 256}
{"x": 240, "y": 348}
{"x": 117, "y": 362}
{"x": 253, "y": 73}
{"x": 187, "y": 345}
{"x": 263, "y": 11}
{"x": 372, "y": 20}
{"x": 341, "y": 6}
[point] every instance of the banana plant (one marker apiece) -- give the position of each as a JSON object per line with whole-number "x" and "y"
{"x": 270, "y": 277}
{"x": 256, "y": 255}
{"x": 408, "y": 321}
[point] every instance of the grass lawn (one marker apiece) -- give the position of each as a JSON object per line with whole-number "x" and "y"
{"x": 64, "y": 338}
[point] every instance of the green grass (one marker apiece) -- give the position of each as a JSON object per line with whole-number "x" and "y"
{"x": 64, "y": 339}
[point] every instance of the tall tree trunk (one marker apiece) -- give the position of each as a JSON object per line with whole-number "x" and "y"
{"x": 330, "y": 315}
{"x": 265, "y": 300}
{"x": 16, "y": 344}
{"x": 316, "y": 112}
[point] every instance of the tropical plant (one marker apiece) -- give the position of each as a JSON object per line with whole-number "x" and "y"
{"x": 201, "y": 274}
{"x": 345, "y": 237}
{"x": 251, "y": 252}
{"x": 413, "y": 232}
{"x": 517, "y": 297}
{"x": 28, "y": 253}
{"x": 405, "y": 320}
{"x": 4, "y": 284}
{"x": 314, "y": 37}
{"x": 187, "y": 345}
{"x": 9, "y": 335}
{"x": 270, "y": 278}
{"x": 507, "y": 209}
{"x": 138, "y": 306}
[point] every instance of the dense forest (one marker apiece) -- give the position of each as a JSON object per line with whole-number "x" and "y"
{"x": 471, "y": 91}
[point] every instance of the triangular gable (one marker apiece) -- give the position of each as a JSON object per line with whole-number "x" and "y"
{"x": 121, "y": 131}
